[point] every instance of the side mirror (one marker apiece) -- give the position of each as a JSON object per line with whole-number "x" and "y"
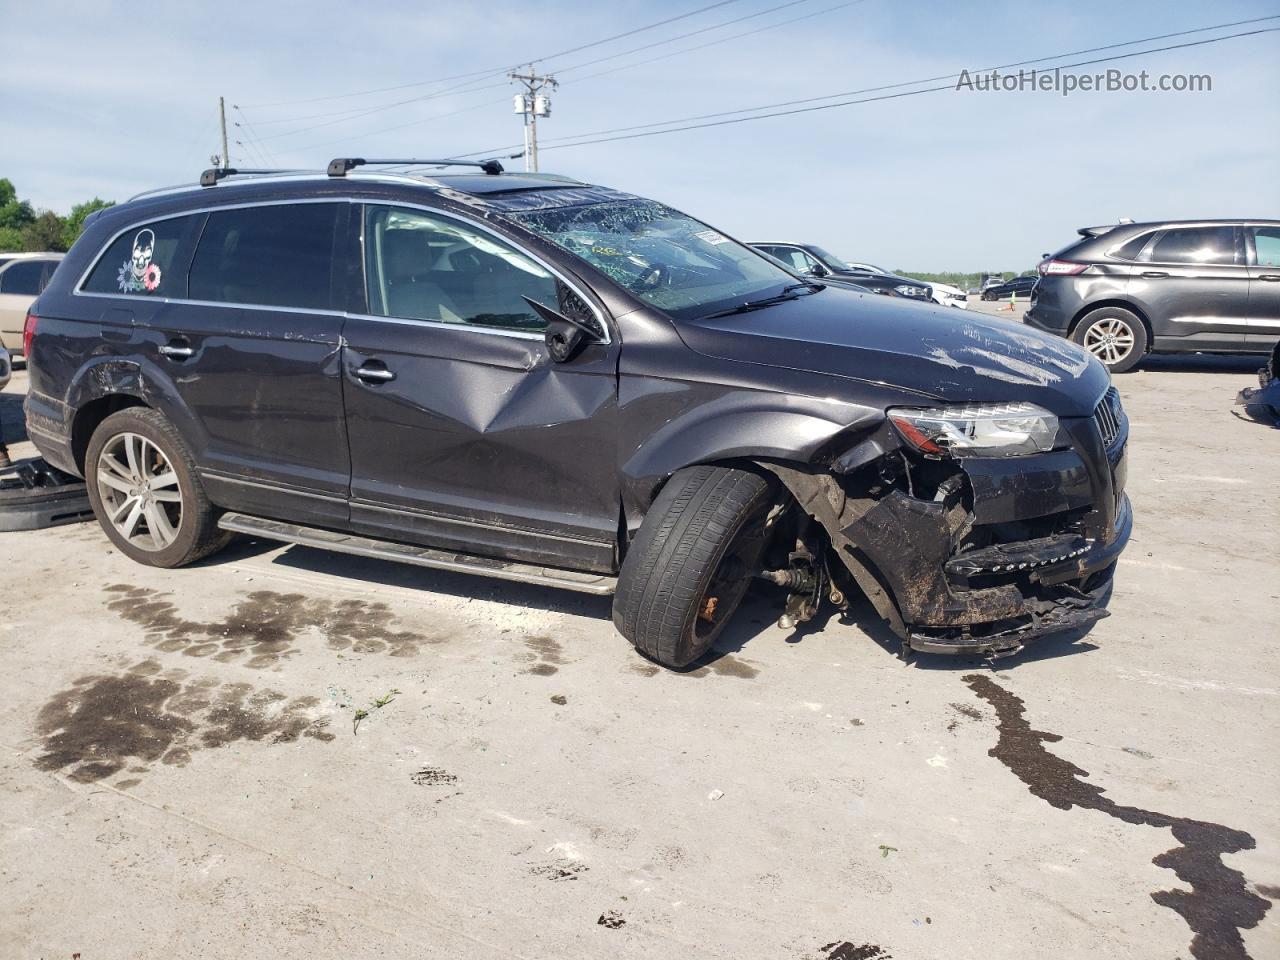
{"x": 564, "y": 335}
{"x": 820, "y": 271}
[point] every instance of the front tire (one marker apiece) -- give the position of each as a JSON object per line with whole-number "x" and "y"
{"x": 144, "y": 490}
{"x": 1114, "y": 335}
{"x": 691, "y": 562}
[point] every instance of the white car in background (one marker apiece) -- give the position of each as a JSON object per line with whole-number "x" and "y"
{"x": 23, "y": 277}
{"x": 949, "y": 296}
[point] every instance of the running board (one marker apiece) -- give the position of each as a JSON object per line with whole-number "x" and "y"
{"x": 593, "y": 583}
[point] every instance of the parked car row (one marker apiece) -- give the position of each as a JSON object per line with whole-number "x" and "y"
{"x": 551, "y": 381}
{"x": 811, "y": 260}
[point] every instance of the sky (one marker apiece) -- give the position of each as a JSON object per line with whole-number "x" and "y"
{"x": 108, "y": 98}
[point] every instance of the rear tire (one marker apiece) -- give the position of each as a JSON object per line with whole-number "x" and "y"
{"x": 1114, "y": 335}
{"x": 143, "y": 486}
{"x": 691, "y": 562}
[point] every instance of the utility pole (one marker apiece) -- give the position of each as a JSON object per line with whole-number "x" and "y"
{"x": 222, "y": 118}
{"x": 531, "y": 105}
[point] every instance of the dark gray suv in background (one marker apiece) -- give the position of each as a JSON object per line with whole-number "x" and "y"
{"x": 543, "y": 380}
{"x": 1176, "y": 286}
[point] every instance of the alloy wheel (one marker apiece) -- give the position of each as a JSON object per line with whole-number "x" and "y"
{"x": 140, "y": 493}
{"x": 1110, "y": 340}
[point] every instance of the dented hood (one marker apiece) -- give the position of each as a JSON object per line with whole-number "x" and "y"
{"x": 922, "y": 348}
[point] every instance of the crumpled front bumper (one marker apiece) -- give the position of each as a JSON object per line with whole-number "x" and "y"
{"x": 1029, "y": 549}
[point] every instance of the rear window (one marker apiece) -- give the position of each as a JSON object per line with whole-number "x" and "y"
{"x": 147, "y": 260}
{"x": 275, "y": 256}
{"x": 1196, "y": 245}
{"x": 1130, "y": 249}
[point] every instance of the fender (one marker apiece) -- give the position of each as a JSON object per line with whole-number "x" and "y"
{"x": 707, "y": 425}
{"x": 135, "y": 377}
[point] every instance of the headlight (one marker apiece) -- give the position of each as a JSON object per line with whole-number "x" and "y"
{"x": 909, "y": 291}
{"x": 977, "y": 430}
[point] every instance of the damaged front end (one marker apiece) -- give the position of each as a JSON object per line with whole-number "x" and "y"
{"x": 970, "y": 552}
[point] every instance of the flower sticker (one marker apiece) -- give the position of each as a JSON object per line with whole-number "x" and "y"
{"x": 138, "y": 273}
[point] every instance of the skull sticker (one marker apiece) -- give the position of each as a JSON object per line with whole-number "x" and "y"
{"x": 138, "y": 272}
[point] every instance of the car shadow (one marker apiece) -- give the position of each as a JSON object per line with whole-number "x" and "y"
{"x": 1233, "y": 363}
{"x": 409, "y": 577}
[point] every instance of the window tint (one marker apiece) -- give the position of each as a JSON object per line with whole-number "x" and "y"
{"x": 26, "y": 277}
{"x": 147, "y": 260}
{"x": 276, "y": 256}
{"x": 1196, "y": 245}
{"x": 421, "y": 267}
{"x": 1266, "y": 244}
{"x": 1130, "y": 249}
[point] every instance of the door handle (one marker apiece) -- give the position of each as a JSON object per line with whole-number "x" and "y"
{"x": 176, "y": 350}
{"x": 1273, "y": 277}
{"x": 377, "y": 374}
{"x": 1153, "y": 274}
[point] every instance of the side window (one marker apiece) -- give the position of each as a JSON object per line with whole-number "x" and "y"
{"x": 147, "y": 260}
{"x": 794, "y": 258}
{"x": 24, "y": 277}
{"x": 276, "y": 256}
{"x": 422, "y": 267}
{"x": 1130, "y": 249}
{"x": 1196, "y": 245}
{"x": 1266, "y": 244}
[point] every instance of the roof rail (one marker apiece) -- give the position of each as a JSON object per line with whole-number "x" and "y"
{"x": 339, "y": 166}
{"x": 211, "y": 176}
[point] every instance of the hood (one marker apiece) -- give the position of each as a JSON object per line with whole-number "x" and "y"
{"x": 925, "y": 349}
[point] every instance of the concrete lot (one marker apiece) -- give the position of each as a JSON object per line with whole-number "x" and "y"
{"x": 181, "y": 776}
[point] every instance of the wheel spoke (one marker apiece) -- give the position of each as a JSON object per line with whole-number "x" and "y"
{"x": 120, "y": 509}
{"x": 131, "y": 455}
{"x": 166, "y": 479}
{"x": 167, "y": 496}
{"x": 114, "y": 481}
{"x": 130, "y": 525}
{"x": 162, "y": 531}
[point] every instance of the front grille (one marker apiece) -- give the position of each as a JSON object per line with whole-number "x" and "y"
{"x": 1109, "y": 416}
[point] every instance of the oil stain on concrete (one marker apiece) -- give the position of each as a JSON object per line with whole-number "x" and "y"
{"x": 265, "y": 627}
{"x": 847, "y": 950}
{"x": 1219, "y": 904}
{"x": 104, "y": 724}
{"x": 547, "y": 652}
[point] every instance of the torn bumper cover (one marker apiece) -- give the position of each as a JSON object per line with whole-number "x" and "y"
{"x": 979, "y": 555}
{"x": 990, "y": 599}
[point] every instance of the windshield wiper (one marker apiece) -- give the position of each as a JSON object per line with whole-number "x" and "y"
{"x": 790, "y": 292}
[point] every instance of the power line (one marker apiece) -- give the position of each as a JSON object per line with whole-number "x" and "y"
{"x": 892, "y": 96}
{"x": 469, "y": 86}
{"x": 692, "y": 33}
{"x": 500, "y": 70}
{"x": 895, "y": 86}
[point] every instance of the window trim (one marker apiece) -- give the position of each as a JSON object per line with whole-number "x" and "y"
{"x": 588, "y": 299}
{"x": 1250, "y": 234}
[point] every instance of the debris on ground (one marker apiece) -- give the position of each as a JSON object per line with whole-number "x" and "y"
{"x": 611, "y": 919}
{"x": 715, "y": 794}
{"x": 885, "y": 850}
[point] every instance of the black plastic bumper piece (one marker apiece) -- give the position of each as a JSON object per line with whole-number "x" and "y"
{"x": 34, "y": 495}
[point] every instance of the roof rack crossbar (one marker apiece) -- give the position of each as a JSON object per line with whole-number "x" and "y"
{"x": 339, "y": 166}
{"x": 211, "y": 176}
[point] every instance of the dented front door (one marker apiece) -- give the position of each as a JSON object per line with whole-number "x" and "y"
{"x": 463, "y": 432}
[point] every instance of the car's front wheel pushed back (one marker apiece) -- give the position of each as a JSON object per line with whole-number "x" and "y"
{"x": 691, "y": 562}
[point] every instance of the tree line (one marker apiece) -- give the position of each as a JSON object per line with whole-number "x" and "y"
{"x": 25, "y": 229}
